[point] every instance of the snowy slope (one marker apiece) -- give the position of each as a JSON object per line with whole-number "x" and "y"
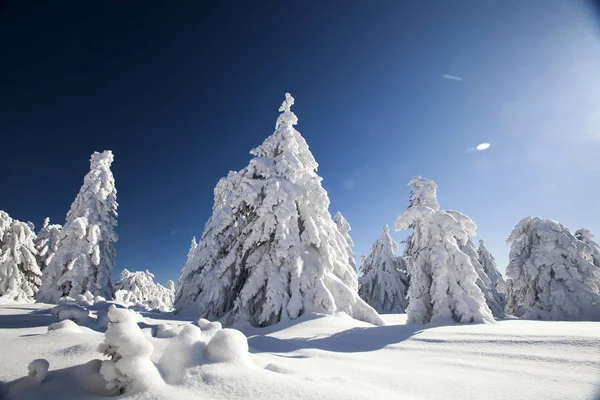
{"x": 322, "y": 357}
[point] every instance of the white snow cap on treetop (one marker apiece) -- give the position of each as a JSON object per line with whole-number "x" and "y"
{"x": 287, "y": 117}
{"x": 424, "y": 193}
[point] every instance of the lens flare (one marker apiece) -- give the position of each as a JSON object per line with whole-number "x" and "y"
{"x": 482, "y": 146}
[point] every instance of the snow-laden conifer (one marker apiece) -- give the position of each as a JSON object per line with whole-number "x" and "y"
{"x": 442, "y": 277}
{"x": 19, "y": 271}
{"x": 488, "y": 262}
{"x": 271, "y": 250}
{"x": 587, "y": 237}
{"x": 344, "y": 228}
{"x": 86, "y": 254}
{"x": 383, "y": 284}
{"x": 46, "y": 243}
{"x": 139, "y": 288}
{"x": 550, "y": 275}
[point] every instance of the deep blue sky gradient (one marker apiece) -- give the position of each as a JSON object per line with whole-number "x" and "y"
{"x": 181, "y": 91}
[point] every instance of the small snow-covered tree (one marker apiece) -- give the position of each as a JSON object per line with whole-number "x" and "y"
{"x": 383, "y": 284}
{"x": 139, "y": 288}
{"x": 344, "y": 228}
{"x": 271, "y": 250}
{"x": 442, "y": 277}
{"x": 46, "y": 243}
{"x": 487, "y": 260}
{"x": 587, "y": 237}
{"x": 5, "y": 221}
{"x": 86, "y": 254}
{"x": 19, "y": 271}
{"x": 550, "y": 275}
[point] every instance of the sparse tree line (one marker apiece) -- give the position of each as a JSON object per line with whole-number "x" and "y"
{"x": 271, "y": 251}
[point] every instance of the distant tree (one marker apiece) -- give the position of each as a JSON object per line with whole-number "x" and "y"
{"x": 587, "y": 237}
{"x": 139, "y": 288}
{"x": 550, "y": 275}
{"x": 19, "y": 271}
{"x": 86, "y": 254}
{"x": 46, "y": 243}
{"x": 344, "y": 228}
{"x": 487, "y": 260}
{"x": 383, "y": 284}
{"x": 270, "y": 250}
{"x": 189, "y": 268}
{"x": 442, "y": 277}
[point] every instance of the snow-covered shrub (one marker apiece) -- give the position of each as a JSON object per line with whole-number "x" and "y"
{"x": 550, "y": 274}
{"x": 227, "y": 345}
{"x": 442, "y": 277}
{"x": 46, "y": 243}
{"x": 38, "y": 369}
{"x": 130, "y": 368}
{"x": 271, "y": 250}
{"x": 85, "y": 256}
{"x": 72, "y": 312}
{"x": 66, "y": 325}
{"x": 139, "y": 289}
{"x": 344, "y": 228}
{"x": 383, "y": 284}
{"x": 19, "y": 271}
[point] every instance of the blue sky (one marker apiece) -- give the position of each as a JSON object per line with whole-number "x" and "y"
{"x": 181, "y": 92}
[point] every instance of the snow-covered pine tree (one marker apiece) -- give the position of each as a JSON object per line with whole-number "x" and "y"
{"x": 442, "y": 277}
{"x": 587, "y": 237}
{"x": 384, "y": 283}
{"x": 271, "y": 250}
{"x": 139, "y": 288}
{"x": 19, "y": 271}
{"x": 46, "y": 243}
{"x": 488, "y": 262}
{"x": 86, "y": 254}
{"x": 550, "y": 275}
{"x": 344, "y": 228}
{"x": 189, "y": 268}
{"x": 5, "y": 221}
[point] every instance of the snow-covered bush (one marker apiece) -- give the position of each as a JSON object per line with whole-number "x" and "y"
{"x": 550, "y": 275}
{"x": 442, "y": 277}
{"x": 130, "y": 368}
{"x": 227, "y": 345}
{"x": 85, "y": 256}
{"x": 72, "y": 312}
{"x": 344, "y": 228}
{"x": 66, "y": 325}
{"x": 139, "y": 288}
{"x": 19, "y": 271}
{"x": 271, "y": 250}
{"x": 38, "y": 369}
{"x": 383, "y": 284}
{"x": 46, "y": 243}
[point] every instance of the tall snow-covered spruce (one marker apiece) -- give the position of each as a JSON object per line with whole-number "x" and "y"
{"x": 19, "y": 270}
{"x": 344, "y": 228}
{"x": 488, "y": 262}
{"x": 86, "y": 254}
{"x": 442, "y": 277}
{"x": 271, "y": 250}
{"x": 383, "y": 284}
{"x": 550, "y": 274}
{"x": 46, "y": 242}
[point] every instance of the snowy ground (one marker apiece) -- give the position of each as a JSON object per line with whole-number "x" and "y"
{"x": 329, "y": 358}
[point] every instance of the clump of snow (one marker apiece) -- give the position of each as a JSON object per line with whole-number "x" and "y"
{"x": 66, "y": 300}
{"x": 227, "y": 345}
{"x": 271, "y": 250}
{"x": 139, "y": 290}
{"x": 98, "y": 299}
{"x": 72, "y": 312}
{"x": 167, "y": 330}
{"x": 86, "y": 255}
{"x": 38, "y": 369}
{"x": 66, "y": 325}
{"x": 130, "y": 368}
{"x": 183, "y": 351}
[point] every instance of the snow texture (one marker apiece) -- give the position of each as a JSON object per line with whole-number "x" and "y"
{"x": 139, "y": 289}
{"x": 442, "y": 277}
{"x": 270, "y": 250}
{"x": 344, "y": 228}
{"x": 550, "y": 274}
{"x": 86, "y": 255}
{"x": 66, "y": 325}
{"x": 130, "y": 368}
{"x": 19, "y": 271}
{"x": 72, "y": 312}
{"x": 384, "y": 283}
{"x": 46, "y": 243}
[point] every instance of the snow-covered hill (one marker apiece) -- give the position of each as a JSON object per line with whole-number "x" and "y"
{"x": 322, "y": 357}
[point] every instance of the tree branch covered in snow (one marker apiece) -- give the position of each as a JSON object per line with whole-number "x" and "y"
{"x": 271, "y": 250}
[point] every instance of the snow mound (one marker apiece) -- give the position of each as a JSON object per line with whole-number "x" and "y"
{"x": 71, "y": 311}
{"x": 183, "y": 351}
{"x": 167, "y": 330}
{"x": 66, "y": 300}
{"x": 65, "y": 325}
{"x": 38, "y": 370}
{"x": 227, "y": 345}
{"x": 130, "y": 368}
